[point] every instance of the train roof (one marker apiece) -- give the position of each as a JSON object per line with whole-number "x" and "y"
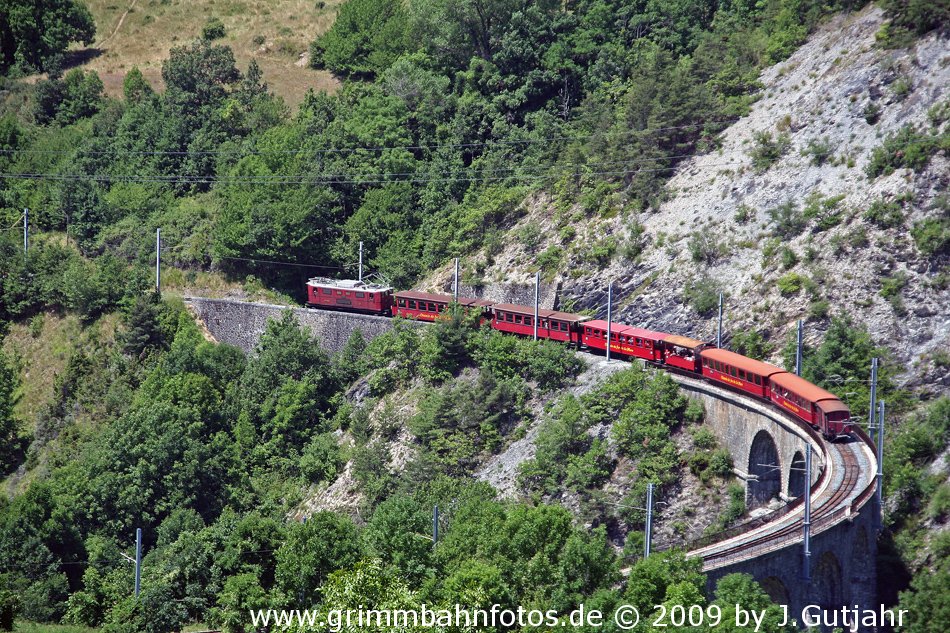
{"x": 544, "y": 314}
{"x": 346, "y": 284}
{"x": 741, "y": 362}
{"x": 682, "y": 341}
{"x": 805, "y": 389}
{"x": 441, "y": 298}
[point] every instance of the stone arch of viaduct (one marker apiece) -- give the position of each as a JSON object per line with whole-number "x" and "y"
{"x": 767, "y": 450}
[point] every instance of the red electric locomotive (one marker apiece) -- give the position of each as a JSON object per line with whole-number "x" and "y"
{"x": 349, "y": 295}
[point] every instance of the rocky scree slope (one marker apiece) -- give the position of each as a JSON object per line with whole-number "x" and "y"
{"x": 825, "y": 110}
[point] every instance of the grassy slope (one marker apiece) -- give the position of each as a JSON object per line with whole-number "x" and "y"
{"x": 141, "y": 32}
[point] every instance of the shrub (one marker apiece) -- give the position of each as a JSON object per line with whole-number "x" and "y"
{"x": 550, "y": 259}
{"x": 907, "y": 148}
{"x": 788, "y": 220}
{"x": 790, "y": 284}
{"x": 703, "y": 438}
{"x": 932, "y": 236}
{"x": 694, "y": 413}
{"x": 885, "y": 214}
{"x": 752, "y": 344}
{"x": 702, "y": 295}
{"x": 213, "y": 30}
{"x": 819, "y": 151}
{"x": 789, "y": 258}
{"x": 704, "y": 247}
{"x": 819, "y": 309}
{"x": 871, "y": 112}
{"x": 767, "y": 150}
{"x": 823, "y": 210}
{"x": 744, "y": 213}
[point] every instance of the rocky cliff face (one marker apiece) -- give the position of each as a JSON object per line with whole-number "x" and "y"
{"x": 776, "y": 217}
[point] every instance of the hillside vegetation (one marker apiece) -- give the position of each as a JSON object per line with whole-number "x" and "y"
{"x": 681, "y": 148}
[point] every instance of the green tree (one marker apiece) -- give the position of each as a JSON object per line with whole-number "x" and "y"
{"x": 325, "y": 543}
{"x": 34, "y": 34}
{"x": 367, "y": 36}
{"x": 11, "y": 447}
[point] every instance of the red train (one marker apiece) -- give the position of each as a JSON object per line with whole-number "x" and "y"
{"x": 810, "y": 403}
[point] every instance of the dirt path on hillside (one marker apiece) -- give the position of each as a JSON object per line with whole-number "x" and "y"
{"x": 117, "y": 26}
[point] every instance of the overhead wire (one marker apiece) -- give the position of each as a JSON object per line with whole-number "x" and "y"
{"x": 380, "y": 148}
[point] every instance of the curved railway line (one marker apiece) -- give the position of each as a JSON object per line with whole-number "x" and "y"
{"x": 842, "y": 489}
{"x": 846, "y": 481}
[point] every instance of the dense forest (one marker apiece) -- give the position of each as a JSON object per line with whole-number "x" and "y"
{"x": 450, "y": 113}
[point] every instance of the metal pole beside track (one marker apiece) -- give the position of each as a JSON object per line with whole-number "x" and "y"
{"x": 26, "y": 230}
{"x": 537, "y": 300}
{"x": 610, "y": 308}
{"x": 880, "y": 459}
{"x": 798, "y": 350}
{"x": 648, "y": 533}
{"x": 719, "y": 329}
{"x": 360, "y": 270}
{"x": 871, "y": 414}
{"x": 806, "y": 524}
{"x": 158, "y": 261}
{"x": 138, "y": 561}
{"x": 455, "y": 285}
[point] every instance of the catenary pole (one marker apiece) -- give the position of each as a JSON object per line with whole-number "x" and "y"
{"x": 158, "y": 260}
{"x": 610, "y": 314}
{"x": 648, "y": 535}
{"x": 455, "y": 285}
{"x": 26, "y": 230}
{"x": 798, "y": 348}
{"x": 537, "y": 300}
{"x": 719, "y": 328}
{"x": 138, "y": 561}
{"x": 806, "y": 524}
{"x": 873, "y": 411}
{"x": 880, "y": 457}
{"x": 360, "y": 270}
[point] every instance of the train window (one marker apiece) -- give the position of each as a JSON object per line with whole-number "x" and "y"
{"x": 732, "y": 372}
{"x": 527, "y": 320}
{"x": 339, "y": 293}
{"x": 327, "y": 291}
{"x": 518, "y": 319}
{"x": 639, "y": 341}
{"x": 371, "y": 295}
{"x": 510, "y": 318}
{"x": 412, "y": 304}
{"x": 360, "y": 295}
{"x": 742, "y": 374}
{"x": 757, "y": 379}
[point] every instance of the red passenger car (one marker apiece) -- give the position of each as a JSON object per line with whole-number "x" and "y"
{"x": 349, "y": 295}
{"x": 743, "y": 373}
{"x": 428, "y": 306}
{"x": 812, "y": 404}
{"x": 682, "y": 351}
{"x": 554, "y": 325}
{"x": 624, "y": 339}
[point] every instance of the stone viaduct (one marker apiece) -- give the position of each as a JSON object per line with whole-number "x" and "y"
{"x": 767, "y": 448}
